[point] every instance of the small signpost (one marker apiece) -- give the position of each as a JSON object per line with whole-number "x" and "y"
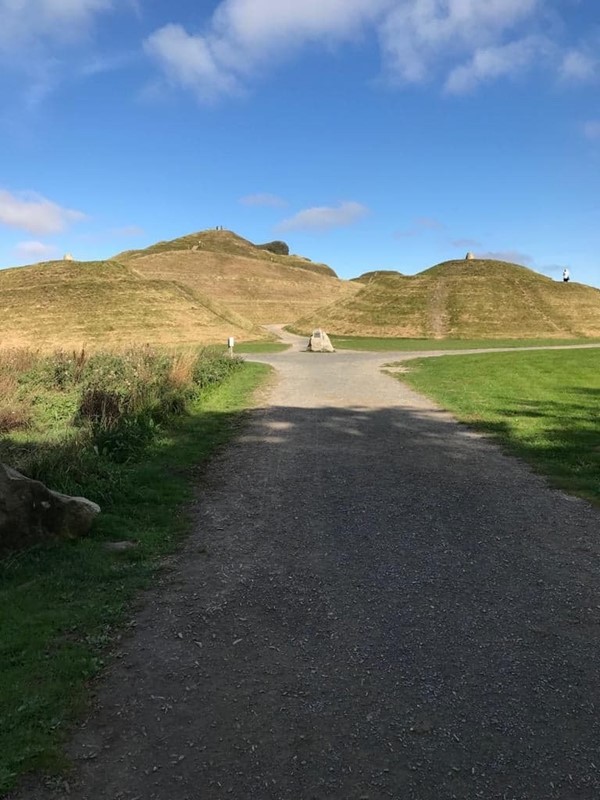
{"x": 230, "y": 346}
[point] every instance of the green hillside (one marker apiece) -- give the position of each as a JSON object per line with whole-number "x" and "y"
{"x": 466, "y": 300}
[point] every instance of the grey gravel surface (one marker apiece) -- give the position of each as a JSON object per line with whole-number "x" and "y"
{"x": 375, "y": 603}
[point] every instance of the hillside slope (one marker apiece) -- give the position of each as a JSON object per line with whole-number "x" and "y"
{"x": 259, "y": 285}
{"x": 463, "y": 299}
{"x": 74, "y": 304}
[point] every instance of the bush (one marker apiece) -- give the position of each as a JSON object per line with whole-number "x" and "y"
{"x": 101, "y": 406}
{"x": 277, "y": 247}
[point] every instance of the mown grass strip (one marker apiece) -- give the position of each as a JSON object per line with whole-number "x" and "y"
{"x": 261, "y": 347}
{"x": 411, "y": 345}
{"x": 60, "y": 606}
{"x": 543, "y": 406}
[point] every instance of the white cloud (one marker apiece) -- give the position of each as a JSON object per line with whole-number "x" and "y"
{"x": 495, "y": 62}
{"x": 466, "y": 41}
{"x": 578, "y": 66}
{"x": 35, "y": 251}
{"x": 591, "y": 129}
{"x": 419, "y": 34}
{"x": 265, "y": 200}
{"x": 23, "y": 22}
{"x": 323, "y": 218}
{"x": 34, "y": 213}
{"x": 246, "y": 35}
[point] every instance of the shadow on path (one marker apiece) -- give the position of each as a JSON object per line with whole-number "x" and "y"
{"x": 376, "y": 603}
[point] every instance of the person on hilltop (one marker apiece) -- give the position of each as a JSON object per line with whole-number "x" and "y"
{"x": 566, "y": 275}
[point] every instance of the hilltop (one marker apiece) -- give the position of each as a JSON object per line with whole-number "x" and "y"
{"x": 260, "y": 285}
{"x": 463, "y": 299}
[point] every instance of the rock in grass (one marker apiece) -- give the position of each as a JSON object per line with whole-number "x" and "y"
{"x": 31, "y": 513}
{"x": 120, "y": 547}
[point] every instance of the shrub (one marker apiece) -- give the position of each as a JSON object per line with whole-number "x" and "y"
{"x": 277, "y": 247}
{"x": 93, "y": 407}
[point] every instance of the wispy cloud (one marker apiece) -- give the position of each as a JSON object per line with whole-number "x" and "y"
{"x": 460, "y": 243}
{"x": 42, "y": 41}
{"x": 462, "y": 42}
{"x": 512, "y": 256}
{"x": 420, "y": 37}
{"x": 591, "y": 129}
{"x": 31, "y": 212}
{"x": 27, "y": 22}
{"x": 579, "y": 66}
{"x": 264, "y": 200}
{"x": 35, "y": 251}
{"x": 420, "y": 225}
{"x": 324, "y": 218}
{"x": 490, "y": 63}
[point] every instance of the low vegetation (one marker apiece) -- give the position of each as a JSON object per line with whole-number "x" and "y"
{"x": 128, "y": 431}
{"x": 543, "y": 406}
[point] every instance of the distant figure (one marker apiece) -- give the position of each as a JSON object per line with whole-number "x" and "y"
{"x": 470, "y": 257}
{"x": 566, "y": 275}
{"x": 68, "y": 257}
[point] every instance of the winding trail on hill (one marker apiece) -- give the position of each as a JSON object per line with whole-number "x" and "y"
{"x": 376, "y": 603}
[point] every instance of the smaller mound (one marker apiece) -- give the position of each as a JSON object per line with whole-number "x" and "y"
{"x": 375, "y": 274}
{"x": 476, "y": 299}
{"x": 71, "y": 304}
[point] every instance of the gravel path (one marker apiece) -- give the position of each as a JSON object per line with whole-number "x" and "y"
{"x": 376, "y": 603}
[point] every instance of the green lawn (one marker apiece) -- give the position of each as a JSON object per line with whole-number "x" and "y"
{"x": 542, "y": 406}
{"x": 398, "y": 344}
{"x": 260, "y": 347}
{"x": 61, "y": 605}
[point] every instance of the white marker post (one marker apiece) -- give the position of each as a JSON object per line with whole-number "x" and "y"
{"x": 230, "y": 346}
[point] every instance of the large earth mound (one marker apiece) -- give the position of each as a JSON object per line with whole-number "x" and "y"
{"x": 258, "y": 284}
{"x": 72, "y": 304}
{"x": 463, "y": 300}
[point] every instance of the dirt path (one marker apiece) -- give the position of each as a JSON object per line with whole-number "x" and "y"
{"x": 376, "y": 603}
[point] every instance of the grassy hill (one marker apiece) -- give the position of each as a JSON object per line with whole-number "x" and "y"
{"x": 463, "y": 300}
{"x": 206, "y": 286}
{"x": 375, "y": 274}
{"x": 71, "y": 304}
{"x": 257, "y": 284}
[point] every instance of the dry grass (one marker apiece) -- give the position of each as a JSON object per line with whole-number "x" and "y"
{"x": 167, "y": 294}
{"x": 181, "y": 372}
{"x": 104, "y": 304}
{"x": 463, "y": 300}
{"x": 256, "y": 285}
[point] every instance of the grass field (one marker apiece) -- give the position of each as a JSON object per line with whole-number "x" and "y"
{"x": 61, "y": 606}
{"x": 380, "y": 344}
{"x": 261, "y": 347}
{"x": 541, "y": 406}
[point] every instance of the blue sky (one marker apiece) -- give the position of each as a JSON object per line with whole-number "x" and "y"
{"x": 369, "y": 134}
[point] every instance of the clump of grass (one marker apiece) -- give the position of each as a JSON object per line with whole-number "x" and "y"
{"x": 65, "y": 415}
